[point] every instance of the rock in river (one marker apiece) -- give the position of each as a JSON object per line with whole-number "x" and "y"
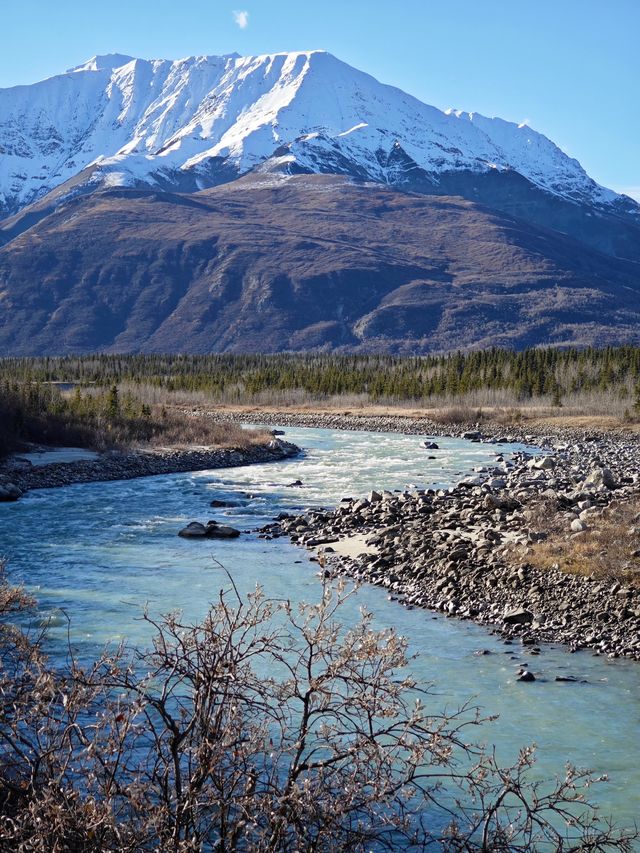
{"x": 9, "y": 491}
{"x": 194, "y": 530}
{"x": 221, "y": 531}
{"x": 212, "y": 530}
{"x": 525, "y": 675}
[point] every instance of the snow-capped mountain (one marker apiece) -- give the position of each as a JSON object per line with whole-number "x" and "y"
{"x": 197, "y": 122}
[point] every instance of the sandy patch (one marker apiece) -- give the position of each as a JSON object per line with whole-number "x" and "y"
{"x": 58, "y": 454}
{"x": 352, "y": 546}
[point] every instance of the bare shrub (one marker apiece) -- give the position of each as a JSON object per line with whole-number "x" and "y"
{"x": 269, "y": 727}
{"x": 507, "y": 417}
{"x": 455, "y": 415}
{"x": 178, "y": 427}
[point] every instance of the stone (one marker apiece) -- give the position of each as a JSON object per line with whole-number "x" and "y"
{"x": 546, "y": 463}
{"x": 9, "y": 491}
{"x": 497, "y": 483}
{"x": 193, "y": 530}
{"x": 220, "y": 531}
{"x": 578, "y": 526}
{"x": 470, "y": 482}
{"x": 212, "y": 530}
{"x": 600, "y": 477}
{"x": 430, "y": 445}
{"x": 525, "y": 675}
{"x": 519, "y": 616}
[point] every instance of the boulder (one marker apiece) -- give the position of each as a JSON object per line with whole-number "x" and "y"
{"x": 520, "y": 616}
{"x": 194, "y": 530}
{"x": 210, "y": 530}
{"x": 470, "y": 482}
{"x": 525, "y": 675}
{"x": 430, "y": 445}
{"x": 9, "y": 491}
{"x": 214, "y": 530}
{"x": 546, "y": 463}
{"x": 600, "y": 477}
{"x": 497, "y": 483}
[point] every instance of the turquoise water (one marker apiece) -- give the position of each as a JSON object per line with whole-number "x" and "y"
{"x": 99, "y": 553}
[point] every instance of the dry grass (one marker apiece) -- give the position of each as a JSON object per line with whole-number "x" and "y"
{"x": 609, "y": 549}
{"x": 533, "y": 417}
{"x": 509, "y": 416}
{"x": 179, "y": 428}
{"x": 604, "y": 410}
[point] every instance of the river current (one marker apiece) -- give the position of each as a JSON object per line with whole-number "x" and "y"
{"x": 98, "y": 553}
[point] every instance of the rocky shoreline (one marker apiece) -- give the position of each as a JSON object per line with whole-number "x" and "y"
{"x": 461, "y": 551}
{"x": 20, "y": 476}
{"x": 453, "y": 550}
{"x": 408, "y": 425}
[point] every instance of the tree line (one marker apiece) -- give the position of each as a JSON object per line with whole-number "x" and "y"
{"x": 38, "y": 412}
{"x": 533, "y": 373}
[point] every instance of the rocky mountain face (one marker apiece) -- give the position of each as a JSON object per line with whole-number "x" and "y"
{"x": 272, "y": 262}
{"x": 182, "y": 205}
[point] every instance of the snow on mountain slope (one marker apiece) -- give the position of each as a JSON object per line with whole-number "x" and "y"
{"x": 192, "y": 123}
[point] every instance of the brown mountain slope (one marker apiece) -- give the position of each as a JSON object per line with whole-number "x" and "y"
{"x": 270, "y": 263}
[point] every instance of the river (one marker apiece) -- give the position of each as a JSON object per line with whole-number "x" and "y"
{"x": 99, "y": 552}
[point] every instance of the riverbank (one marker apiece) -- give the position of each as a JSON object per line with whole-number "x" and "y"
{"x": 536, "y": 431}
{"x": 470, "y": 552}
{"x": 443, "y": 421}
{"x": 19, "y": 476}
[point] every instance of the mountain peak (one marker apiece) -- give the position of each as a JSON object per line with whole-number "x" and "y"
{"x": 196, "y": 122}
{"x": 105, "y": 62}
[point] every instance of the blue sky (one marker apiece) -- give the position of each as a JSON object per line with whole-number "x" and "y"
{"x": 569, "y": 67}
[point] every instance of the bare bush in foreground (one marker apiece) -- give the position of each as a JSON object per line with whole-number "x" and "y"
{"x": 269, "y": 727}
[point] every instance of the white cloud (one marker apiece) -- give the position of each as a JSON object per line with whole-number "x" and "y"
{"x": 241, "y": 19}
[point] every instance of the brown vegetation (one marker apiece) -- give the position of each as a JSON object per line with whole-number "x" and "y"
{"x": 179, "y": 428}
{"x": 466, "y": 415}
{"x": 269, "y": 727}
{"x": 609, "y": 549}
{"x": 101, "y": 420}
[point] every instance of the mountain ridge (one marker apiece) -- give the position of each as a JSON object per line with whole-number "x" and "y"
{"x": 196, "y": 122}
{"x": 291, "y": 202}
{"x": 273, "y": 262}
